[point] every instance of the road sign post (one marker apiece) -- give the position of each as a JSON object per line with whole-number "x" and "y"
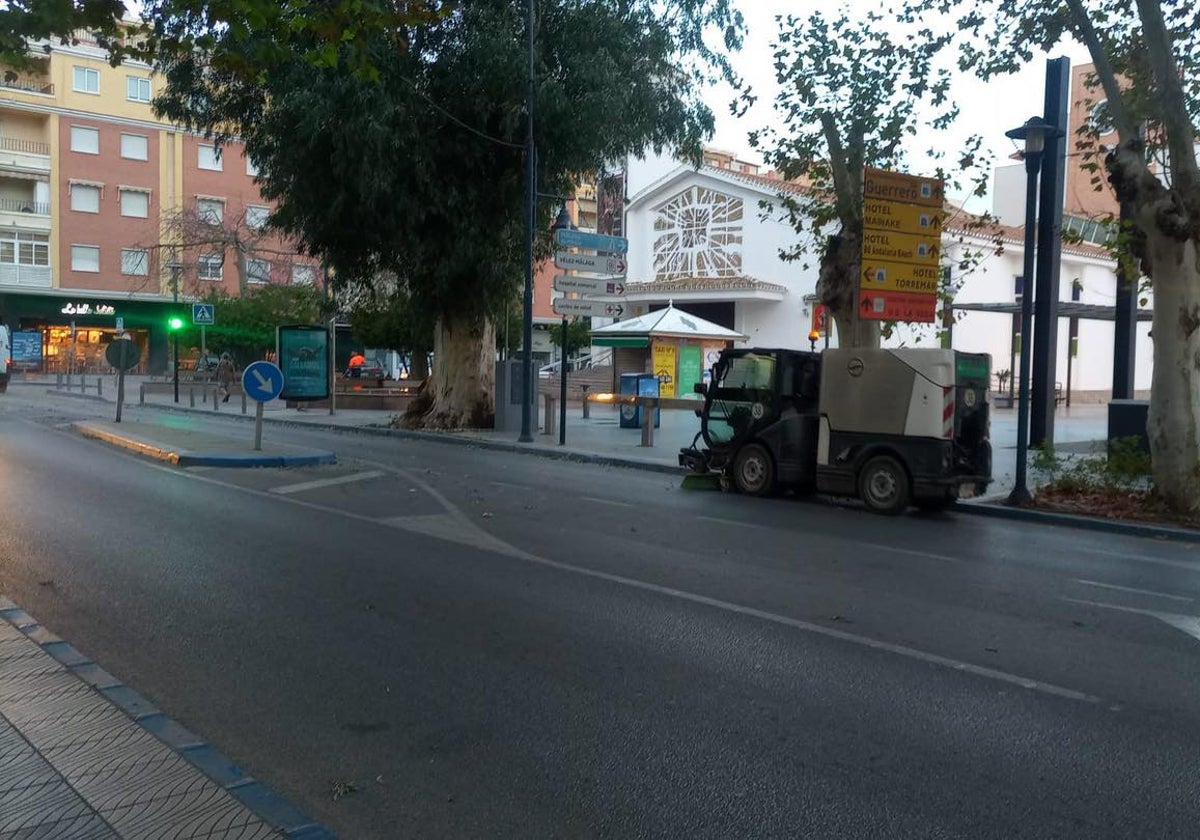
{"x": 261, "y": 382}
{"x": 901, "y": 250}
{"x": 589, "y": 308}
{"x": 123, "y": 354}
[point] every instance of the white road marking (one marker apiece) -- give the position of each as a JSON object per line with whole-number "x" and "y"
{"x": 735, "y": 523}
{"x": 912, "y": 552}
{"x": 288, "y": 489}
{"x": 1189, "y": 565}
{"x": 509, "y": 486}
{"x": 805, "y": 626}
{"x": 1189, "y": 624}
{"x": 612, "y": 502}
{"x": 1133, "y": 590}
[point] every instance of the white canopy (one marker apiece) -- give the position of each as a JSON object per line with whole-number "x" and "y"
{"x": 663, "y": 323}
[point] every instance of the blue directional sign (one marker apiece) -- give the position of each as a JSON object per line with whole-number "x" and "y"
{"x": 204, "y": 314}
{"x": 262, "y": 381}
{"x": 592, "y": 241}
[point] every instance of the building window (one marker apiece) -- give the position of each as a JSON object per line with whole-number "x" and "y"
{"x": 210, "y": 266}
{"x": 258, "y": 271}
{"x": 135, "y": 203}
{"x": 304, "y": 275}
{"x": 86, "y": 140}
{"x": 137, "y": 88}
{"x": 86, "y": 80}
{"x": 24, "y": 248}
{"x": 85, "y": 198}
{"x": 256, "y": 216}
{"x": 135, "y": 146}
{"x": 85, "y": 258}
{"x": 210, "y": 158}
{"x": 251, "y": 167}
{"x": 211, "y": 211}
{"x": 135, "y": 261}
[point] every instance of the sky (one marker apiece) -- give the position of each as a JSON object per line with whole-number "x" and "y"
{"x": 988, "y": 108}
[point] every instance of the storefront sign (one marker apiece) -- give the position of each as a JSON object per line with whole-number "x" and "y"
{"x": 303, "y": 353}
{"x": 88, "y": 309}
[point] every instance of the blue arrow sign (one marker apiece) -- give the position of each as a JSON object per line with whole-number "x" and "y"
{"x": 262, "y": 381}
{"x": 204, "y": 314}
{"x": 593, "y": 241}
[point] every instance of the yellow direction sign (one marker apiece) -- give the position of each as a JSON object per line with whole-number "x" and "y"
{"x": 902, "y": 218}
{"x": 884, "y": 276}
{"x": 900, "y": 247}
{"x": 905, "y": 189}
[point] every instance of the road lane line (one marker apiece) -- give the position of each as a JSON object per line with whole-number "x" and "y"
{"x": 1189, "y": 624}
{"x": 612, "y": 502}
{"x": 1189, "y": 565}
{"x": 509, "y": 485}
{"x": 326, "y": 482}
{"x": 735, "y": 523}
{"x": 1133, "y": 590}
{"x": 691, "y": 597}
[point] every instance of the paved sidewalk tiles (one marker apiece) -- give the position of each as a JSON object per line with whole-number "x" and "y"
{"x": 83, "y": 756}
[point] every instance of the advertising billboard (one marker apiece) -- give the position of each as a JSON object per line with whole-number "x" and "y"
{"x": 303, "y": 353}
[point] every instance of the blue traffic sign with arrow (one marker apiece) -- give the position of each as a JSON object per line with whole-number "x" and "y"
{"x": 204, "y": 314}
{"x": 262, "y": 381}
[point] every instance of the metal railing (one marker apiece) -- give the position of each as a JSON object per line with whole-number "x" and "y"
{"x": 29, "y": 147}
{"x": 30, "y": 84}
{"x": 20, "y": 205}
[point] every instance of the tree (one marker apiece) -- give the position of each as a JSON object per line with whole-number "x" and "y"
{"x": 578, "y": 336}
{"x": 852, "y": 94}
{"x": 420, "y": 171}
{"x": 1146, "y": 70}
{"x": 384, "y": 316}
{"x": 246, "y": 323}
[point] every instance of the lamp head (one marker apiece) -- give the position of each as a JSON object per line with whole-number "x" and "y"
{"x": 1035, "y": 132}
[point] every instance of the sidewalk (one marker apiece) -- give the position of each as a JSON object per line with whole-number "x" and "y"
{"x": 84, "y": 756}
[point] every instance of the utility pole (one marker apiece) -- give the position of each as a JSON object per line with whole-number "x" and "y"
{"x": 530, "y": 207}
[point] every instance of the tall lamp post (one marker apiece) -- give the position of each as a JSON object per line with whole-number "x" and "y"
{"x": 563, "y": 222}
{"x": 1034, "y": 132}
{"x": 530, "y": 215}
{"x": 176, "y": 323}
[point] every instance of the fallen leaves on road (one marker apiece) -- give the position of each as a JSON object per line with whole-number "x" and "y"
{"x": 341, "y": 789}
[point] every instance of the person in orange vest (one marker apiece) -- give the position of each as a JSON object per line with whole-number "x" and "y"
{"x": 357, "y": 360}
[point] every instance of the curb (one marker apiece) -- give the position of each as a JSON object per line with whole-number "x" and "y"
{"x": 204, "y": 459}
{"x": 1087, "y": 523}
{"x": 452, "y": 439}
{"x": 255, "y": 796}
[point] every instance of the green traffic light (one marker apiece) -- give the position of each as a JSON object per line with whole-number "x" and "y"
{"x": 176, "y": 323}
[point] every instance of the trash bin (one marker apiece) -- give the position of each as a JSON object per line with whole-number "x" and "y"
{"x": 642, "y": 385}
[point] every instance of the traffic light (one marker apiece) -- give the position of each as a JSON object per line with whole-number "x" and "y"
{"x": 176, "y": 323}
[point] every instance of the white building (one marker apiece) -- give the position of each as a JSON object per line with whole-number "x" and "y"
{"x": 701, "y": 239}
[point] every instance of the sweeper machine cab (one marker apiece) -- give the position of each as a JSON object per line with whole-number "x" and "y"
{"x": 893, "y": 427}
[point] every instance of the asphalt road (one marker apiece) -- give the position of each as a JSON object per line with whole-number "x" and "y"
{"x": 496, "y": 645}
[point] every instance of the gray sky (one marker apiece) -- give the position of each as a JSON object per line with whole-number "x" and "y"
{"x": 988, "y": 109}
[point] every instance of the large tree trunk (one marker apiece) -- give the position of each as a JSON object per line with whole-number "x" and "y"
{"x": 837, "y": 287}
{"x": 458, "y": 393}
{"x": 1174, "y": 424}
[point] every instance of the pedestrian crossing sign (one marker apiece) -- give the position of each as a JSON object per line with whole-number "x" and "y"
{"x": 204, "y": 314}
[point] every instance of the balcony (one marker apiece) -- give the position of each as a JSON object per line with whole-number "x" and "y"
{"x": 28, "y": 147}
{"x": 35, "y": 78}
{"x": 27, "y": 156}
{"x": 31, "y": 276}
{"x": 27, "y": 207}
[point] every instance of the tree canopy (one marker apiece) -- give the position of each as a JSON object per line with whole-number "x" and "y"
{"x": 418, "y": 168}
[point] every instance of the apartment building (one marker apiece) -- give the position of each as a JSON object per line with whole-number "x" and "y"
{"x": 109, "y": 215}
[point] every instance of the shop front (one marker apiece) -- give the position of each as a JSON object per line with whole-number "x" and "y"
{"x": 57, "y": 332}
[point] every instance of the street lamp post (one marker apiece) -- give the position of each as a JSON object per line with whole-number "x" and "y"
{"x": 175, "y": 266}
{"x": 530, "y": 215}
{"x": 1034, "y": 132}
{"x": 563, "y": 222}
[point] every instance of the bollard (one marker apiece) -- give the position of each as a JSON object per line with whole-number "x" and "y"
{"x": 142, "y": 394}
{"x": 58, "y": 380}
{"x": 216, "y": 402}
{"x": 192, "y": 397}
{"x": 548, "y": 411}
{"x": 243, "y": 402}
{"x": 204, "y": 394}
{"x": 99, "y": 387}
{"x": 648, "y": 404}
{"x": 586, "y": 412}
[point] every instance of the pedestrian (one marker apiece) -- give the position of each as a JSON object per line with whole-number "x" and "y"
{"x": 356, "y": 364}
{"x": 225, "y": 375}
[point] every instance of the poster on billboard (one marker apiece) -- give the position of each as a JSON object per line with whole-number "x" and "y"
{"x": 27, "y": 350}
{"x": 303, "y": 353}
{"x": 663, "y": 358}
